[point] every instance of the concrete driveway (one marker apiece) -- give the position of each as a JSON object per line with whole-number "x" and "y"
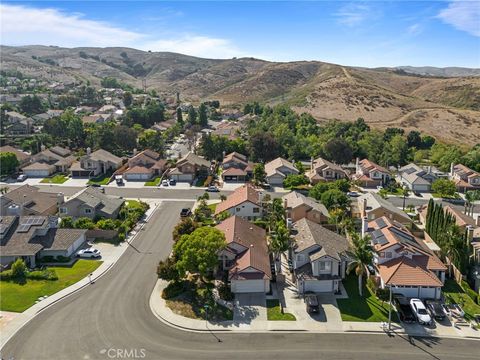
{"x": 250, "y": 308}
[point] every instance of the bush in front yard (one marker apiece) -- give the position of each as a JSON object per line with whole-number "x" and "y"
{"x": 46, "y": 274}
{"x": 166, "y": 270}
{"x": 173, "y": 289}
{"x": 19, "y": 269}
{"x": 6, "y": 275}
{"x": 472, "y": 294}
{"x": 225, "y": 292}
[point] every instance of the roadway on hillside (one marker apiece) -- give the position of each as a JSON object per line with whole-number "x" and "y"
{"x": 114, "y": 315}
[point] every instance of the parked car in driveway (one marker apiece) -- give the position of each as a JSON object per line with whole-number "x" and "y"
{"x": 353, "y": 194}
{"x": 436, "y": 309}
{"x": 119, "y": 180}
{"x": 165, "y": 182}
{"x": 22, "y": 177}
{"x": 172, "y": 182}
{"x": 185, "y": 212}
{"x": 403, "y": 309}
{"x": 89, "y": 253}
{"x": 213, "y": 189}
{"x": 311, "y": 302}
{"x": 420, "y": 312}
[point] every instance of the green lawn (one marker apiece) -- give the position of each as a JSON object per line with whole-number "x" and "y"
{"x": 154, "y": 182}
{"x": 18, "y": 298}
{"x": 368, "y": 308}
{"x": 274, "y": 312}
{"x": 213, "y": 207}
{"x": 57, "y": 179}
{"x": 454, "y": 294}
{"x": 102, "y": 179}
{"x": 439, "y": 196}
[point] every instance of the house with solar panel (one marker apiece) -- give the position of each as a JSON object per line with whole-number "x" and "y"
{"x": 403, "y": 262}
{"x": 33, "y": 237}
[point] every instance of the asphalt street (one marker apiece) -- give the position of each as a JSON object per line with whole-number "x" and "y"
{"x": 111, "y": 319}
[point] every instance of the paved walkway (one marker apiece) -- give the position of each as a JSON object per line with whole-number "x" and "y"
{"x": 12, "y": 323}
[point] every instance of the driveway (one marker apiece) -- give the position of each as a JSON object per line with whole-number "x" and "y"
{"x": 250, "y": 308}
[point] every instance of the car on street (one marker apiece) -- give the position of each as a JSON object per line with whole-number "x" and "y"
{"x": 165, "y": 182}
{"x": 89, "y": 253}
{"x": 22, "y": 177}
{"x": 119, "y": 180}
{"x": 420, "y": 312}
{"x": 436, "y": 309}
{"x": 311, "y": 302}
{"x": 213, "y": 189}
{"x": 403, "y": 309}
{"x": 185, "y": 212}
{"x": 416, "y": 193}
{"x": 353, "y": 194}
{"x": 172, "y": 182}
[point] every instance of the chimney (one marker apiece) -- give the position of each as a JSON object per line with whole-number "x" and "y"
{"x": 134, "y": 151}
{"x": 364, "y": 226}
{"x": 60, "y": 198}
{"x": 89, "y": 150}
{"x": 469, "y": 234}
{"x": 42, "y": 147}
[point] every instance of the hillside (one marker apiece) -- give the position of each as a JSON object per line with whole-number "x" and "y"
{"x": 433, "y": 100}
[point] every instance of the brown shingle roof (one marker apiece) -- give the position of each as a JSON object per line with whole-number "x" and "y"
{"x": 35, "y": 201}
{"x": 240, "y": 195}
{"x": 21, "y": 156}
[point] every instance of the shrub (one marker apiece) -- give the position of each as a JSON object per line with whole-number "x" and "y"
{"x": 47, "y": 259}
{"x": 6, "y": 275}
{"x": 295, "y": 181}
{"x": 472, "y": 294}
{"x": 173, "y": 289}
{"x": 225, "y": 293}
{"x": 19, "y": 269}
{"x": 166, "y": 270}
{"x": 46, "y": 274}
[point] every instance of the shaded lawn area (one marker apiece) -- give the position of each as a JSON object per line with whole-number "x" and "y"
{"x": 57, "y": 179}
{"x": 454, "y": 294}
{"x": 154, "y": 182}
{"x": 367, "y": 308}
{"x": 18, "y": 298}
{"x": 274, "y": 312}
{"x": 102, "y": 179}
{"x": 213, "y": 207}
{"x": 200, "y": 181}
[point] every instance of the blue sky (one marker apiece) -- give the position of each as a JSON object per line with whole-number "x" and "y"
{"x": 361, "y": 33}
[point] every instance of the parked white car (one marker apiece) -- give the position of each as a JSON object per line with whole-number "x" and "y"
{"x": 89, "y": 253}
{"x": 22, "y": 177}
{"x": 165, "y": 182}
{"x": 420, "y": 312}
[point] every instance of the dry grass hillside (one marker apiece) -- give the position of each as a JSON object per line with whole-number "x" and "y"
{"x": 445, "y": 107}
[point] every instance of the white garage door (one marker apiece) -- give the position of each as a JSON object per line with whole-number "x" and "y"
{"x": 37, "y": 173}
{"x": 137, "y": 176}
{"x": 319, "y": 286}
{"x": 247, "y": 286}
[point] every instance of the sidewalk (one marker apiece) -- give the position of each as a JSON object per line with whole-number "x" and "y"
{"x": 167, "y": 316}
{"x": 16, "y": 322}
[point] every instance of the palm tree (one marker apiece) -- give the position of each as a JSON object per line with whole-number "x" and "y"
{"x": 362, "y": 256}
{"x": 452, "y": 243}
{"x": 405, "y": 194}
{"x": 280, "y": 241}
{"x": 276, "y": 212}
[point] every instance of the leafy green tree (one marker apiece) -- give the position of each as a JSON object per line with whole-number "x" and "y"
{"x": 293, "y": 180}
{"x": 19, "y": 269}
{"x": 180, "y": 121}
{"x": 31, "y": 105}
{"x": 127, "y": 98}
{"x": 338, "y": 151}
{"x": 106, "y": 224}
{"x": 300, "y": 167}
{"x": 84, "y": 223}
{"x": 334, "y": 198}
{"x": 202, "y": 115}
{"x": 399, "y": 151}
{"x": 279, "y": 242}
{"x": 414, "y": 139}
{"x": 192, "y": 115}
{"x": 444, "y": 187}
{"x": 340, "y": 184}
{"x": 125, "y": 138}
{"x": 197, "y": 253}
{"x": 167, "y": 270}
{"x": 318, "y": 189}
{"x": 8, "y": 163}
{"x": 184, "y": 227}
{"x": 66, "y": 222}
{"x": 259, "y": 174}
{"x": 453, "y": 246}
{"x": 263, "y": 147}
{"x": 390, "y": 133}
{"x": 151, "y": 139}
{"x": 362, "y": 257}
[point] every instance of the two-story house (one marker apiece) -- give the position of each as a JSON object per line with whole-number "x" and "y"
{"x": 373, "y": 206}
{"x": 244, "y": 202}
{"x": 465, "y": 178}
{"x": 236, "y": 167}
{"x": 91, "y": 203}
{"x": 320, "y": 257}
{"x": 246, "y": 256}
{"x": 95, "y": 163}
{"x": 145, "y": 165}
{"x": 369, "y": 174}
{"x": 49, "y": 161}
{"x": 29, "y": 200}
{"x": 277, "y": 170}
{"x": 323, "y": 170}
{"x": 189, "y": 167}
{"x": 299, "y": 206}
{"x": 415, "y": 178}
{"x": 404, "y": 262}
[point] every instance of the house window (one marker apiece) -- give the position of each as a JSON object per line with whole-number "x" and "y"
{"x": 256, "y": 210}
{"x": 88, "y": 211}
{"x": 382, "y": 254}
{"x": 324, "y": 265}
{"x": 237, "y": 209}
{"x": 63, "y": 210}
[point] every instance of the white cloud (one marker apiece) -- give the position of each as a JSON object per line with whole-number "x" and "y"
{"x": 22, "y": 25}
{"x": 414, "y": 29}
{"x": 463, "y": 15}
{"x": 353, "y": 14}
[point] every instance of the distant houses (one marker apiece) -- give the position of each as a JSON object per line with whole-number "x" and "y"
{"x": 415, "y": 178}
{"x": 323, "y": 170}
{"x": 95, "y": 163}
{"x": 465, "y": 178}
{"x": 369, "y": 174}
{"x": 277, "y": 170}
{"x": 49, "y": 161}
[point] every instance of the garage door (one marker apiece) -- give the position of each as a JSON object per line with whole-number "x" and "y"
{"x": 246, "y": 286}
{"x": 137, "y": 176}
{"x": 319, "y": 286}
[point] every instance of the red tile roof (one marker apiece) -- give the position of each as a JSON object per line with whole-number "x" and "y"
{"x": 245, "y": 193}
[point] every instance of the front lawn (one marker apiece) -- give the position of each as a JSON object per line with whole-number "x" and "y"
{"x": 18, "y": 298}
{"x": 454, "y": 294}
{"x": 102, "y": 179}
{"x": 213, "y": 207}
{"x": 154, "y": 182}
{"x": 274, "y": 312}
{"x": 440, "y": 196}
{"x": 367, "y": 308}
{"x": 57, "y": 179}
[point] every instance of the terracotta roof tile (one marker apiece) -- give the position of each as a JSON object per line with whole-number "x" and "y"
{"x": 245, "y": 193}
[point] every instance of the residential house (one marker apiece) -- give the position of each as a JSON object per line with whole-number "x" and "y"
{"x": 227, "y": 128}
{"x": 373, "y": 206}
{"x": 164, "y": 125}
{"x": 244, "y": 202}
{"x": 22, "y": 157}
{"x": 144, "y": 166}
{"x": 236, "y": 167}
{"x": 22, "y": 127}
{"x": 33, "y": 237}
{"x": 14, "y": 117}
{"x": 299, "y": 207}
{"x": 415, "y": 178}
{"x": 465, "y": 178}
{"x": 320, "y": 257}
{"x": 91, "y": 203}
{"x": 369, "y": 174}
{"x": 96, "y": 118}
{"x": 246, "y": 256}
{"x": 323, "y": 170}
{"x": 49, "y": 161}
{"x": 189, "y": 167}
{"x": 96, "y": 163}
{"x": 404, "y": 262}
{"x": 278, "y": 169}
{"x": 29, "y": 200}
